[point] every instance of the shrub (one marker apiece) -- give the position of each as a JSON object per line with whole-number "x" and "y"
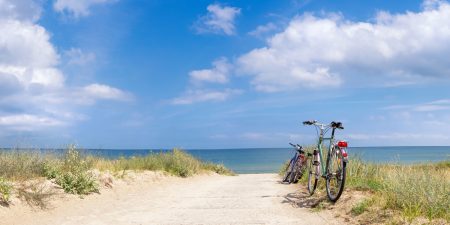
{"x": 72, "y": 174}
{"x": 77, "y": 183}
{"x": 5, "y": 190}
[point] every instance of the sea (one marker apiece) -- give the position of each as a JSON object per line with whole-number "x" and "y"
{"x": 269, "y": 160}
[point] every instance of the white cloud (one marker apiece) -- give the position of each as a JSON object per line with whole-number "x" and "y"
{"x": 92, "y": 92}
{"x": 33, "y": 90}
{"x": 77, "y": 8}
{"x": 218, "y": 74}
{"x": 78, "y": 57}
{"x": 219, "y": 20}
{"x": 24, "y": 10}
{"x": 263, "y": 29}
{"x": 27, "y": 122}
{"x": 326, "y": 51}
{"x": 437, "y": 105}
{"x": 401, "y": 137}
{"x": 195, "y": 96}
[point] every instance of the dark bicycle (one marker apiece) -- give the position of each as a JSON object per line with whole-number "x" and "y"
{"x": 297, "y": 165}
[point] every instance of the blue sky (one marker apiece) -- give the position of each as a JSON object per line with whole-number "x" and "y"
{"x": 222, "y": 74}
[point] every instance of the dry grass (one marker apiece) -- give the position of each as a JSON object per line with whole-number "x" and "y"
{"x": 72, "y": 170}
{"x": 175, "y": 162}
{"x": 411, "y": 191}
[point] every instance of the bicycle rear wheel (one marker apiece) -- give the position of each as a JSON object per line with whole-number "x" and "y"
{"x": 336, "y": 172}
{"x": 312, "y": 178}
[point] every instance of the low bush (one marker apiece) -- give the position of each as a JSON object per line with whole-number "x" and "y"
{"x": 5, "y": 191}
{"x": 72, "y": 174}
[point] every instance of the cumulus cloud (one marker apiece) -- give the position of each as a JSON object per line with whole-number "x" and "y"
{"x": 33, "y": 90}
{"x": 218, "y": 74}
{"x": 321, "y": 51}
{"x": 195, "y": 96}
{"x": 77, "y": 8}
{"x": 219, "y": 20}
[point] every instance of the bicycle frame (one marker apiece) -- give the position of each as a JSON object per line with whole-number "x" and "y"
{"x": 323, "y": 130}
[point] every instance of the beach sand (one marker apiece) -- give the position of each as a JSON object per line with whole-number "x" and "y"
{"x": 154, "y": 198}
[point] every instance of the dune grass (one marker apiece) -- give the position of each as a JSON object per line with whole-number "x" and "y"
{"x": 417, "y": 190}
{"x": 414, "y": 190}
{"x": 176, "y": 162}
{"x": 73, "y": 170}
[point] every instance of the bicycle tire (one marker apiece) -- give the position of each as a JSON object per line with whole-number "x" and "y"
{"x": 340, "y": 171}
{"x": 312, "y": 178}
{"x": 300, "y": 168}
{"x": 288, "y": 172}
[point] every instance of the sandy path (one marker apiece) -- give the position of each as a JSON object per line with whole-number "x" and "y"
{"x": 212, "y": 199}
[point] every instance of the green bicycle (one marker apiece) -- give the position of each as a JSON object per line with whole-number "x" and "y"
{"x": 334, "y": 171}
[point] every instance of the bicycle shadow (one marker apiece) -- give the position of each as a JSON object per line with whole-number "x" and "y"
{"x": 303, "y": 200}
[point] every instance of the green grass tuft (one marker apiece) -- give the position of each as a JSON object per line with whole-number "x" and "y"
{"x": 5, "y": 191}
{"x": 361, "y": 207}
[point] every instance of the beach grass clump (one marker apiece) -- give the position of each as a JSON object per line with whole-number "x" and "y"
{"x": 5, "y": 191}
{"x": 417, "y": 190}
{"x": 72, "y": 173}
{"x": 421, "y": 190}
{"x": 361, "y": 206}
{"x": 176, "y": 162}
{"x": 21, "y": 165}
{"x": 218, "y": 168}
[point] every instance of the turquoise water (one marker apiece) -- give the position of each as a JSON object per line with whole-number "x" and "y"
{"x": 269, "y": 160}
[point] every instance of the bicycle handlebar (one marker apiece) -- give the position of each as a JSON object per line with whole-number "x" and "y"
{"x": 337, "y": 125}
{"x": 333, "y": 124}
{"x": 297, "y": 146}
{"x": 309, "y": 122}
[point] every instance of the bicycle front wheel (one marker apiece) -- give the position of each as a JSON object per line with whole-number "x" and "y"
{"x": 287, "y": 174}
{"x": 336, "y": 172}
{"x": 312, "y": 178}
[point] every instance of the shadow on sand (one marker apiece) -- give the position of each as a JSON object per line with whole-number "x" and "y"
{"x": 302, "y": 199}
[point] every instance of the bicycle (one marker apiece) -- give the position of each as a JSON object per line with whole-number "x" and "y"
{"x": 337, "y": 159}
{"x": 297, "y": 165}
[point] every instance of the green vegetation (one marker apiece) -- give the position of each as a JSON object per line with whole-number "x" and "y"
{"x": 20, "y": 165}
{"x": 72, "y": 171}
{"x": 176, "y": 162}
{"x": 414, "y": 190}
{"x": 419, "y": 190}
{"x": 362, "y": 206}
{"x": 5, "y": 191}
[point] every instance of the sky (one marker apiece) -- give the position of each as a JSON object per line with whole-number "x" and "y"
{"x": 222, "y": 74}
